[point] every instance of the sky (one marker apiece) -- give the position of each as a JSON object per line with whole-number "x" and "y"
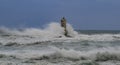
{"x": 81, "y": 14}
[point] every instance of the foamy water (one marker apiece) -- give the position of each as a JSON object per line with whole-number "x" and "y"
{"x": 49, "y": 46}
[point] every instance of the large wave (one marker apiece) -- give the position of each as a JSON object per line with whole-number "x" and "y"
{"x": 57, "y": 55}
{"x": 102, "y": 54}
{"x": 51, "y": 32}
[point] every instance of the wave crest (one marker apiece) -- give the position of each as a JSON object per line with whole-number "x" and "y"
{"x": 104, "y": 54}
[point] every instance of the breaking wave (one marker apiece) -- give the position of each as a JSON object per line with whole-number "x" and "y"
{"x": 103, "y": 54}
{"x": 50, "y": 31}
{"x": 53, "y": 32}
{"x": 60, "y": 55}
{"x": 32, "y": 35}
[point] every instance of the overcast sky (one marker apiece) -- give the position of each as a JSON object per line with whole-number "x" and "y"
{"x": 81, "y": 14}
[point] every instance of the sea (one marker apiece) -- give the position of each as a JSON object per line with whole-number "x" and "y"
{"x": 49, "y": 46}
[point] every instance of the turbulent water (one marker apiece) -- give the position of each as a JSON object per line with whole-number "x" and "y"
{"x": 49, "y": 46}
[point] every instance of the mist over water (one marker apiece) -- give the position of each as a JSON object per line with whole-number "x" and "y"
{"x": 49, "y": 46}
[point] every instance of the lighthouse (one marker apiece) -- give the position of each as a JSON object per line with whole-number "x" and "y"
{"x": 63, "y": 24}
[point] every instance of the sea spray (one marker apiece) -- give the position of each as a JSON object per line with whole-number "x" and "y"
{"x": 71, "y": 31}
{"x": 51, "y": 30}
{"x": 33, "y": 35}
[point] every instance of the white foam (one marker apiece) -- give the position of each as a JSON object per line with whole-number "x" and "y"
{"x": 99, "y": 37}
{"x": 71, "y": 31}
{"x": 51, "y": 32}
{"x": 31, "y": 35}
{"x": 97, "y": 54}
